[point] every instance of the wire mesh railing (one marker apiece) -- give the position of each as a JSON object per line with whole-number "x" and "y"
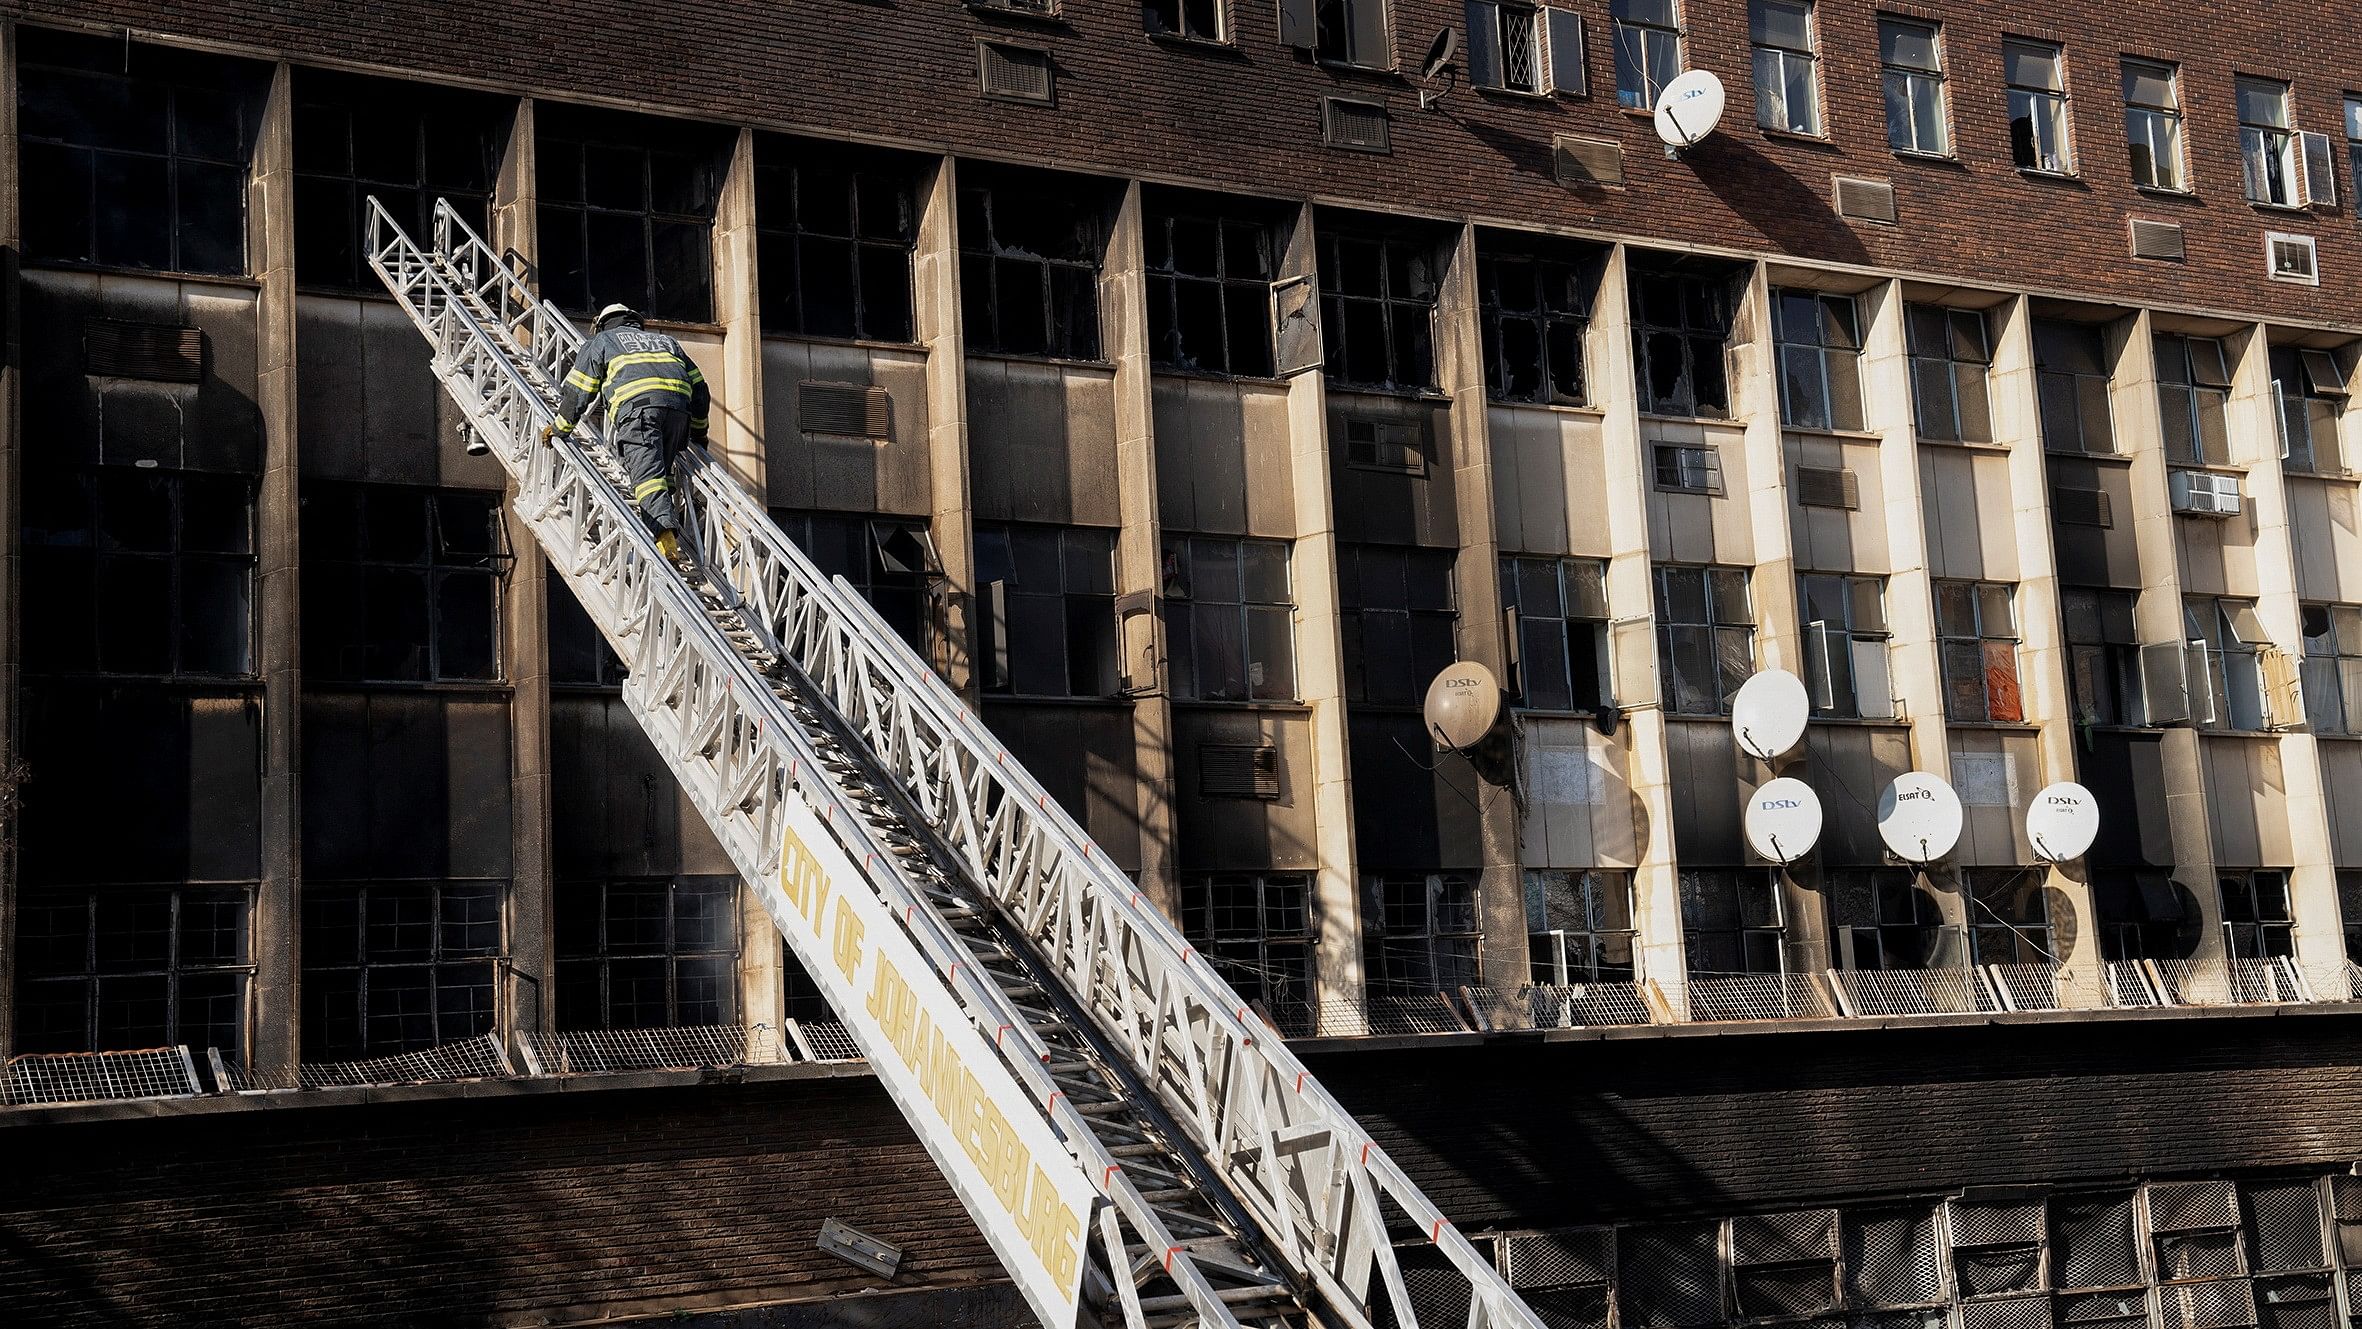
{"x": 2025, "y": 987}
{"x": 2128, "y": 985}
{"x": 1558, "y": 1006}
{"x": 678, "y": 1047}
{"x": 823, "y": 1040}
{"x": 1871, "y": 993}
{"x": 2229, "y": 981}
{"x": 1719, "y": 997}
{"x": 1376, "y": 1015}
{"x": 41, "y": 1078}
{"x": 478, "y": 1058}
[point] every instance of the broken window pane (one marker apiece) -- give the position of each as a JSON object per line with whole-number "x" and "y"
{"x": 172, "y": 564}
{"x": 1377, "y": 310}
{"x": 836, "y": 237}
{"x": 1229, "y": 619}
{"x": 1730, "y": 920}
{"x": 1030, "y": 252}
{"x": 605, "y": 236}
{"x": 1209, "y": 287}
{"x": 402, "y": 585}
{"x": 1680, "y": 324}
{"x": 890, "y": 561}
{"x": 1258, "y": 931}
{"x": 1705, "y": 636}
{"x": 133, "y": 967}
{"x": 405, "y": 143}
{"x": 378, "y": 965}
{"x": 1533, "y": 312}
{"x": 1424, "y": 938}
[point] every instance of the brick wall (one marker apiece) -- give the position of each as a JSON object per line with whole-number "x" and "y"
{"x": 1247, "y": 117}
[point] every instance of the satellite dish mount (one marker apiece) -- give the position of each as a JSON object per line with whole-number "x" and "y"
{"x": 1688, "y": 109}
{"x": 1438, "y": 64}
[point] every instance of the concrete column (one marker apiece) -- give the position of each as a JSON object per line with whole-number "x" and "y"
{"x": 277, "y": 927}
{"x": 1459, "y": 369}
{"x": 1123, "y": 295}
{"x": 531, "y": 996}
{"x": 935, "y": 292}
{"x": 1320, "y": 666}
{"x": 2254, "y": 428}
{"x": 738, "y": 399}
{"x": 1631, "y": 599}
{"x": 2042, "y": 654}
{"x": 11, "y": 525}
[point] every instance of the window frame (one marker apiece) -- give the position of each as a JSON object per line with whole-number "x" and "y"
{"x": 1555, "y": 281}
{"x": 1530, "y": 627}
{"x": 1686, "y": 468}
{"x": 2233, "y": 661}
{"x": 782, "y": 297}
{"x": 317, "y": 897}
{"x": 1394, "y": 958}
{"x": 2332, "y": 669}
{"x": 1913, "y": 79}
{"x": 2000, "y": 704}
{"x": 1425, "y": 629}
{"x": 1240, "y": 299}
{"x": 87, "y": 556}
{"x": 2046, "y": 106}
{"x": 1277, "y": 966}
{"x": 1065, "y": 282}
{"x": 1781, "y": 57}
{"x": 431, "y": 566}
{"x": 694, "y": 304}
{"x": 2265, "y": 144}
{"x": 2191, "y": 398}
{"x": 1830, "y": 330}
{"x": 600, "y": 957}
{"x": 1862, "y": 641}
{"x": 1405, "y": 322}
{"x": 1603, "y": 897}
{"x": 1750, "y": 941}
{"x": 2150, "y": 117}
{"x": 1182, "y": 602}
{"x": 1638, "y": 42}
{"x": 2109, "y": 651}
{"x": 1894, "y": 935}
{"x": 2024, "y": 940}
{"x": 318, "y": 94}
{"x": 1703, "y": 306}
{"x": 2078, "y": 384}
{"x": 1153, "y": 23}
{"x": 2261, "y": 925}
{"x": 1956, "y": 371}
{"x": 1714, "y": 586}
{"x": 2308, "y": 404}
{"x": 94, "y": 973}
{"x": 1081, "y": 603}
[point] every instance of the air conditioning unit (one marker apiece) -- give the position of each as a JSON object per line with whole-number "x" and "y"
{"x": 2204, "y": 493}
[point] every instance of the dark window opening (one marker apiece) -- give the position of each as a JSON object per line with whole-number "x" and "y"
{"x": 578, "y": 652}
{"x": 647, "y": 954}
{"x": 1198, "y": 20}
{"x": 1976, "y": 631}
{"x": 1257, "y": 928}
{"x": 1883, "y": 919}
{"x": 1351, "y": 32}
{"x": 2193, "y": 393}
{"x": 1049, "y": 620}
{"x": 1534, "y": 311}
{"x": 2349, "y": 908}
{"x": 1401, "y": 615}
{"x": 1419, "y": 932}
{"x": 1951, "y": 361}
{"x": 1731, "y": 920}
{"x": 2310, "y": 390}
{"x": 1845, "y": 645}
{"x": 127, "y": 967}
{"x": 1681, "y": 323}
{"x": 135, "y": 157}
{"x": 1209, "y": 291}
{"x": 2143, "y": 916}
{"x": 394, "y": 966}
{"x": 890, "y": 561}
{"x": 1561, "y": 631}
{"x": 2332, "y": 669}
{"x": 405, "y": 143}
{"x": 2258, "y": 917}
{"x": 2008, "y": 916}
{"x": 1030, "y": 253}
{"x": 626, "y": 214}
{"x": 1705, "y": 637}
{"x": 402, "y": 585}
{"x": 147, "y": 573}
{"x": 2071, "y": 375}
{"x": 1378, "y": 310}
{"x": 2103, "y": 657}
{"x": 1579, "y": 926}
{"x": 1230, "y": 619}
{"x": 833, "y": 239}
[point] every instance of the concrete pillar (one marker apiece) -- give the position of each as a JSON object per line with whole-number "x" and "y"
{"x": 935, "y": 298}
{"x": 11, "y": 525}
{"x": 531, "y": 996}
{"x": 1631, "y": 598}
{"x": 1123, "y": 296}
{"x": 1459, "y": 369}
{"x": 1320, "y": 666}
{"x": 738, "y": 399}
{"x": 277, "y": 927}
{"x": 2042, "y": 654}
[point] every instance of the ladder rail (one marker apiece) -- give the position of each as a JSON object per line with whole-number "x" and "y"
{"x": 1286, "y": 1149}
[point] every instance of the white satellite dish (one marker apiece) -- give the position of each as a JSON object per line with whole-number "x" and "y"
{"x": 2063, "y": 821}
{"x": 1784, "y": 820}
{"x": 1919, "y": 817}
{"x": 1688, "y": 108}
{"x": 1463, "y": 706}
{"x": 1769, "y": 712}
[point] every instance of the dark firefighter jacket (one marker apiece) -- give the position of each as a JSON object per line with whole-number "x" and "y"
{"x": 623, "y": 364}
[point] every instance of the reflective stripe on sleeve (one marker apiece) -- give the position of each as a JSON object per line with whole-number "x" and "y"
{"x": 647, "y": 487}
{"x": 575, "y": 378}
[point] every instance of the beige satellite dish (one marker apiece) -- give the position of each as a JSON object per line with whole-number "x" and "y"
{"x": 1466, "y": 713}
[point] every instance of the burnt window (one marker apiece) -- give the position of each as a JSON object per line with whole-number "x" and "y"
{"x": 2193, "y": 395}
{"x": 1561, "y": 624}
{"x": 1419, "y": 932}
{"x": 2310, "y": 389}
{"x": 1400, "y": 615}
{"x": 1029, "y": 268}
{"x": 1533, "y": 311}
{"x": 1882, "y": 919}
{"x": 2258, "y": 918}
{"x": 126, "y": 967}
{"x": 139, "y": 572}
{"x": 2332, "y": 669}
{"x": 578, "y": 653}
{"x": 1680, "y": 323}
{"x": 1731, "y": 920}
{"x": 1230, "y": 626}
{"x": 1976, "y": 630}
{"x": 2071, "y": 375}
{"x": 1705, "y": 637}
{"x": 395, "y": 966}
{"x": 1350, "y": 32}
{"x": 404, "y": 143}
{"x": 2104, "y": 657}
{"x": 1378, "y": 310}
{"x": 833, "y": 244}
{"x": 1845, "y": 645}
{"x": 2228, "y": 641}
{"x": 402, "y": 585}
{"x": 135, "y": 157}
{"x": 1578, "y": 926}
{"x": 1209, "y": 292}
{"x": 1257, "y": 929}
{"x": 1049, "y": 621}
{"x": 2008, "y": 916}
{"x": 1951, "y": 365}
{"x": 1820, "y": 346}
{"x": 2143, "y": 915}
{"x": 626, "y": 216}
{"x": 1198, "y": 20}
{"x": 890, "y": 561}
{"x": 647, "y": 954}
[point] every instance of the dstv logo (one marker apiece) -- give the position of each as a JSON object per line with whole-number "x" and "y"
{"x": 1459, "y": 682}
{"x": 2063, "y": 801}
{"x": 1692, "y": 94}
{"x": 1779, "y": 804}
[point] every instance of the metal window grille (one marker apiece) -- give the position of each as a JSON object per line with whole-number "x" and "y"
{"x": 1891, "y": 1257}
{"x": 89, "y": 1077}
{"x": 1669, "y": 1277}
{"x": 2219, "y": 1305}
{"x": 2015, "y": 1313}
{"x": 2284, "y": 1225}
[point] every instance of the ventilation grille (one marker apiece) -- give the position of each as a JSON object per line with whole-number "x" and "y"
{"x": 1359, "y": 126}
{"x": 1238, "y": 771}
{"x": 2157, "y": 239}
{"x": 1827, "y": 487}
{"x": 1015, "y": 73}
{"x": 2290, "y": 258}
{"x": 1586, "y": 161}
{"x": 848, "y": 410}
{"x": 1864, "y": 199}
{"x": 143, "y": 350}
{"x": 2082, "y": 507}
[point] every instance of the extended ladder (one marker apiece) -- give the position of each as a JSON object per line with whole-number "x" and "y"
{"x": 1137, "y": 1147}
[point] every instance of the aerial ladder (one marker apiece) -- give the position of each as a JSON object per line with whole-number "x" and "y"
{"x": 1138, "y": 1147}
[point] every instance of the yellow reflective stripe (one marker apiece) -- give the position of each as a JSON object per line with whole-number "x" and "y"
{"x": 646, "y": 487}
{"x": 694, "y": 376}
{"x": 565, "y": 426}
{"x": 575, "y": 378}
{"x": 644, "y": 358}
{"x": 641, "y": 385}
{"x": 697, "y": 422}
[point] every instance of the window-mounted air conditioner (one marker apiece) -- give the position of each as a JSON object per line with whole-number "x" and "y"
{"x": 2204, "y": 493}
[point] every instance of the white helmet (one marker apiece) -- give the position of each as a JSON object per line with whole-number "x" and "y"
{"x": 614, "y": 312}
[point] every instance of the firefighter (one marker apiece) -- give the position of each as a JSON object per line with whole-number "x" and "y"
{"x": 654, "y": 399}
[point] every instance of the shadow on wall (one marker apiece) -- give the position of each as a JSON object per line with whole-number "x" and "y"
{"x": 1795, "y": 217}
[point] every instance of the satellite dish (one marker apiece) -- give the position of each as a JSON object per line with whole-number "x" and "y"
{"x": 1784, "y": 820}
{"x": 1440, "y": 52}
{"x": 1919, "y": 817}
{"x": 2063, "y": 821}
{"x": 1463, "y": 706}
{"x": 1688, "y": 108}
{"x": 1768, "y": 713}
